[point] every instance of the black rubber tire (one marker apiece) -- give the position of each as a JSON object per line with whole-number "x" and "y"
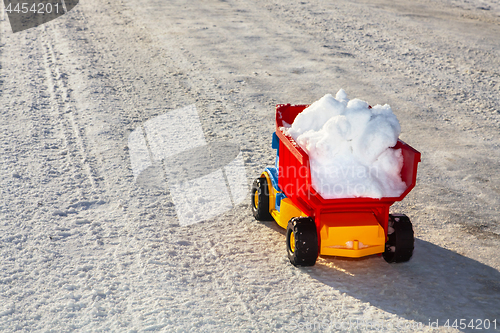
{"x": 305, "y": 241}
{"x": 260, "y": 209}
{"x": 401, "y": 242}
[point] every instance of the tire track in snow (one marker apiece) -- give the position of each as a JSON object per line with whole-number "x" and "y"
{"x": 62, "y": 110}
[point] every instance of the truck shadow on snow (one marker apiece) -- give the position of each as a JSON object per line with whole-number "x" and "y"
{"x": 436, "y": 284}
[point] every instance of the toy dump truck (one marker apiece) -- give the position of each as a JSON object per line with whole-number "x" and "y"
{"x": 347, "y": 227}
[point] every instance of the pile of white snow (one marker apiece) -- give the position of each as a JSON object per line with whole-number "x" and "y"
{"x": 349, "y": 146}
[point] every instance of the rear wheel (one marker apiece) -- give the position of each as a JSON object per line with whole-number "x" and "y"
{"x": 400, "y": 243}
{"x": 260, "y": 200}
{"x": 302, "y": 241}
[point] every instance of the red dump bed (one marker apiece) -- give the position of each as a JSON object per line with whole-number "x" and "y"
{"x": 295, "y": 175}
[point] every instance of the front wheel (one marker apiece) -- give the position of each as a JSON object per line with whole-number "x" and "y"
{"x": 260, "y": 200}
{"x": 401, "y": 240}
{"x": 302, "y": 241}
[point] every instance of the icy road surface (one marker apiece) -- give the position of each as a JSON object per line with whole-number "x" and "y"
{"x": 85, "y": 246}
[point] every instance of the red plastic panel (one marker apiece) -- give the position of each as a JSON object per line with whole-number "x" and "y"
{"x": 295, "y": 175}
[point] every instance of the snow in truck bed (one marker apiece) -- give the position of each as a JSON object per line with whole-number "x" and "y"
{"x": 349, "y": 145}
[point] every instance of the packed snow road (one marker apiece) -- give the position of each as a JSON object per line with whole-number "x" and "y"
{"x": 89, "y": 242}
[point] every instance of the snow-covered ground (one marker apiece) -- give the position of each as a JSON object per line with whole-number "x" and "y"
{"x": 85, "y": 247}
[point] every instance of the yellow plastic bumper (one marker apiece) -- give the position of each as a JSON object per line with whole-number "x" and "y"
{"x": 351, "y": 235}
